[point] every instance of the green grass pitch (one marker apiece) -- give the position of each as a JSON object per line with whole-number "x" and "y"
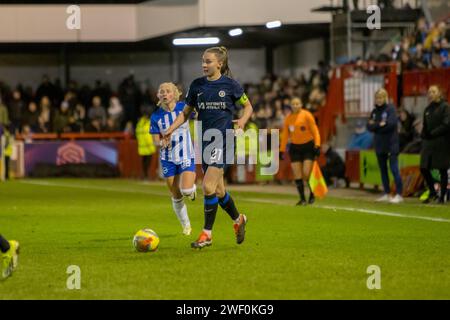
{"x": 315, "y": 252}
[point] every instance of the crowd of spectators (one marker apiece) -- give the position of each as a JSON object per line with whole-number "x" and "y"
{"x": 426, "y": 48}
{"x": 51, "y": 108}
{"x": 271, "y": 97}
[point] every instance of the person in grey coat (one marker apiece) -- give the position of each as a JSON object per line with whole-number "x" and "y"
{"x": 383, "y": 123}
{"x": 435, "y": 153}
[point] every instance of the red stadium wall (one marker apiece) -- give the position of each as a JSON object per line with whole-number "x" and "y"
{"x": 416, "y": 83}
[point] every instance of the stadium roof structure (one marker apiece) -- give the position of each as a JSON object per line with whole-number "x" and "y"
{"x": 252, "y": 37}
{"x": 72, "y": 2}
{"x": 152, "y": 25}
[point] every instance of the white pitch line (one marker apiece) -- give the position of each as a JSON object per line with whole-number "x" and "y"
{"x": 384, "y": 213}
{"x": 67, "y": 185}
{"x": 277, "y": 202}
{"x": 367, "y": 211}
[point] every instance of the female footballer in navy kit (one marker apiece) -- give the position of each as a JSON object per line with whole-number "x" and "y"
{"x": 215, "y": 97}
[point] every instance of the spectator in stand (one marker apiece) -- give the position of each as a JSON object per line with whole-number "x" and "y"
{"x": 316, "y": 99}
{"x": 115, "y": 110}
{"x": 386, "y": 4}
{"x": 443, "y": 54}
{"x": 149, "y": 97}
{"x": 79, "y": 116}
{"x": 4, "y": 117}
{"x": 421, "y": 32}
{"x": 361, "y": 139}
{"x": 323, "y": 74}
{"x": 71, "y": 98}
{"x": 130, "y": 98}
{"x": 63, "y": 119}
{"x": 85, "y": 96}
{"x": 129, "y": 130}
{"x": 97, "y": 112}
{"x": 16, "y": 111}
{"x": 94, "y": 126}
{"x": 46, "y": 89}
{"x": 31, "y": 118}
{"x": 334, "y": 168}
{"x": 407, "y": 64}
{"x": 436, "y": 34}
{"x": 45, "y": 115}
{"x": 103, "y": 91}
{"x": 406, "y": 128}
{"x": 416, "y": 144}
{"x": 278, "y": 120}
{"x": 27, "y": 134}
{"x": 260, "y": 118}
{"x": 111, "y": 125}
{"x": 420, "y": 60}
{"x": 58, "y": 93}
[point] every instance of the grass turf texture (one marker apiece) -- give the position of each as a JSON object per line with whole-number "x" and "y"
{"x": 289, "y": 252}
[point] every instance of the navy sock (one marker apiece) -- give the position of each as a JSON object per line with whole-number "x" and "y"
{"x": 4, "y": 244}
{"x": 228, "y": 205}
{"x": 210, "y": 209}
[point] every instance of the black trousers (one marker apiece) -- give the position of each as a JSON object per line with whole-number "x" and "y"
{"x": 146, "y": 161}
{"x": 426, "y": 173}
{"x": 6, "y": 168}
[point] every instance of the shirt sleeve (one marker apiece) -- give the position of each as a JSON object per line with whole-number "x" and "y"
{"x": 154, "y": 128}
{"x": 314, "y": 129}
{"x": 284, "y": 136}
{"x": 237, "y": 92}
{"x": 191, "y": 96}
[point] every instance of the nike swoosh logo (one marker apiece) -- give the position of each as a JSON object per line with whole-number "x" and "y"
{"x": 199, "y": 94}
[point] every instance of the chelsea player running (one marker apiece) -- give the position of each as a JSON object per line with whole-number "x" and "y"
{"x": 214, "y": 97}
{"x": 177, "y": 157}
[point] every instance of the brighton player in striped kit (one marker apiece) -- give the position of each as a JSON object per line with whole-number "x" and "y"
{"x": 177, "y": 157}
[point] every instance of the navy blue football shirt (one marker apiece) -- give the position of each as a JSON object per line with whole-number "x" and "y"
{"x": 215, "y": 101}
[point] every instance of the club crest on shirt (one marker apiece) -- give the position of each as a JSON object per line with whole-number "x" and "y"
{"x": 221, "y": 93}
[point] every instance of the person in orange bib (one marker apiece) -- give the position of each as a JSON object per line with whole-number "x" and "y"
{"x": 301, "y": 129}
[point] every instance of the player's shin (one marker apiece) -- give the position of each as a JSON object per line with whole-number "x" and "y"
{"x": 227, "y": 204}
{"x": 210, "y": 209}
{"x": 181, "y": 211}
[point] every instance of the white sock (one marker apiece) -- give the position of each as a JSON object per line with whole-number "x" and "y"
{"x": 181, "y": 211}
{"x": 208, "y": 232}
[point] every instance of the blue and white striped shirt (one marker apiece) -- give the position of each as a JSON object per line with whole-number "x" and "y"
{"x": 181, "y": 148}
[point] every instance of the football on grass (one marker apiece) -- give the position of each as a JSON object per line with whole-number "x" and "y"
{"x": 146, "y": 240}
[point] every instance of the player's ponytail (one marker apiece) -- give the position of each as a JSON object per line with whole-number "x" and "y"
{"x": 222, "y": 55}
